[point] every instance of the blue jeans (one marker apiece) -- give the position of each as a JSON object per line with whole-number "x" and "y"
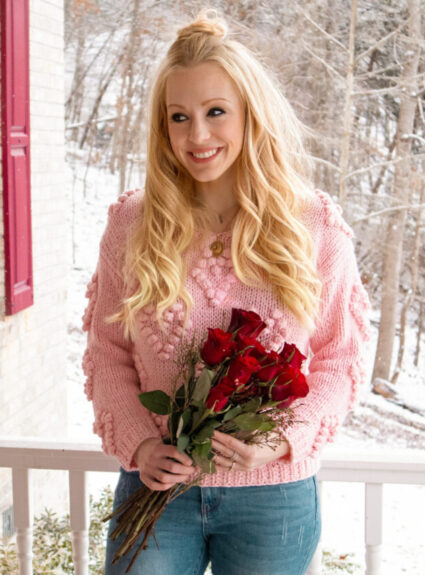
{"x": 258, "y": 530}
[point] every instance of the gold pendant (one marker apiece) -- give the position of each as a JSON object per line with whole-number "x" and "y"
{"x": 217, "y": 248}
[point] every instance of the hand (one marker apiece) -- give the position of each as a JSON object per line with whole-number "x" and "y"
{"x": 162, "y": 466}
{"x": 235, "y": 455}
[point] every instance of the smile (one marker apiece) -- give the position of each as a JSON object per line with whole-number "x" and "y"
{"x": 205, "y": 156}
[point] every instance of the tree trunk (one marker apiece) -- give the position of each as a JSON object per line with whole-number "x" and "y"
{"x": 348, "y": 108}
{"x": 414, "y": 268}
{"x": 395, "y": 231}
{"x": 421, "y": 319}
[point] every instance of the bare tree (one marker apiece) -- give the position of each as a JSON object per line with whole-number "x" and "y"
{"x": 396, "y": 224}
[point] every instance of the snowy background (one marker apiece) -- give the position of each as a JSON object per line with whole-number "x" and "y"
{"x": 376, "y": 425}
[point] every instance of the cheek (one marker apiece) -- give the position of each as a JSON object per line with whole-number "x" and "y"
{"x": 174, "y": 140}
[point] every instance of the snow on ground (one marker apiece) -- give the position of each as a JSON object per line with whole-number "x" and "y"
{"x": 375, "y": 425}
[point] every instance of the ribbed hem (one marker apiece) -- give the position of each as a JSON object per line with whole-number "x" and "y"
{"x": 274, "y": 473}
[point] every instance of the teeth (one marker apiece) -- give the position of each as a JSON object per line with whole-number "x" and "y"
{"x": 205, "y": 154}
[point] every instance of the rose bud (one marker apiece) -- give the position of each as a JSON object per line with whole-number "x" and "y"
{"x": 246, "y": 322}
{"x": 250, "y": 346}
{"x": 216, "y": 400}
{"x": 226, "y": 385}
{"x": 241, "y": 369}
{"x": 292, "y": 355}
{"x": 217, "y": 347}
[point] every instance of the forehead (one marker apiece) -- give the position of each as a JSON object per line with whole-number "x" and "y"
{"x": 198, "y": 83}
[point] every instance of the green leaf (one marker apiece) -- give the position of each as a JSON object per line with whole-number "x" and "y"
{"x": 249, "y": 421}
{"x": 267, "y": 426}
{"x": 232, "y": 413}
{"x": 252, "y": 405}
{"x": 183, "y": 421}
{"x": 206, "y": 431}
{"x": 180, "y": 397}
{"x": 173, "y": 423}
{"x": 156, "y": 401}
{"x": 202, "y": 455}
{"x": 182, "y": 442}
{"x": 203, "y": 385}
{"x": 270, "y": 404}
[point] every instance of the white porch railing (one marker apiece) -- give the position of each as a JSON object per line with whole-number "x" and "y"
{"x": 406, "y": 467}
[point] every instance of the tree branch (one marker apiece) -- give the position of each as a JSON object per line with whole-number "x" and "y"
{"x": 322, "y": 31}
{"x": 325, "y": 162}
{"x": 373, "y": 166}
{"x": 327, "y": 66}
{"x": 379, "y": 43}
{"x": 387, "y": 211}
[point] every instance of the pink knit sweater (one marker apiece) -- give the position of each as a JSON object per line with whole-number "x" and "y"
{"x": 117, "y": 369}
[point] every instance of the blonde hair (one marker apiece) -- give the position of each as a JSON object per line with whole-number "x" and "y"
{"x": 269, "y": 241}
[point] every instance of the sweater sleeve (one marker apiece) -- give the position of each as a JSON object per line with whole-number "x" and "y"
{"x": 113, "y": 381}
{"x": 337, "y": 345}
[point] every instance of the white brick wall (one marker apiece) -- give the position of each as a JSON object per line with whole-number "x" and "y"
{"x": 33, "y": 342}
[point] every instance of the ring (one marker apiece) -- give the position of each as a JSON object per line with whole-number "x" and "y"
{"x": 234, "y": 456}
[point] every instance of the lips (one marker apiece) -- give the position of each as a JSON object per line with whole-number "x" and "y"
{"x": 203, "y": 156}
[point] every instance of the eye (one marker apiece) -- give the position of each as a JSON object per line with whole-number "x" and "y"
{"x": 178, "y": 117}
{"x": 216, "y": 112}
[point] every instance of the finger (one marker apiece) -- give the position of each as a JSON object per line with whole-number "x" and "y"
{"x": 174, "y": 467}
{"x": 230, "y": 442}
{"x": 230, "y": 452}
{"x": 153, "y": 484}
{"x": 224, "y": 463}
{"x": 174, "y": 453}
{"x": 165, "y": 477}
{"x": 222, "y": 449}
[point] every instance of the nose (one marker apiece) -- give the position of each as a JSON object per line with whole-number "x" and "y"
{"x": 199, "y": 131}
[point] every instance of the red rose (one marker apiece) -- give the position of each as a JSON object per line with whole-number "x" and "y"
{"x": 251, "y": 346}
{"x": 217, "y": 347}
{"x": 292, "y": 355}
{"x": 289, "y": 391}
{"x": 246, "y": 322}
{"x": 280, "y": 392}
{"x": 226, "y": 386}
{"x": 216, "y": 400}
{"x": 241, "y": 369}
{"x": 299, "y": 387}
{"x": 271, "y": 366}
{"x": 288, "y": 374}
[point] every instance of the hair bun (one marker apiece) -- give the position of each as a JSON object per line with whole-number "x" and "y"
{"x": 207, "y": 22}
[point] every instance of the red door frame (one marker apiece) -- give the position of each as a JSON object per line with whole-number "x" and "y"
{"x": 15, "y": 136}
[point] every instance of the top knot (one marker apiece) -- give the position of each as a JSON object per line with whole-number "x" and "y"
{"x": 206, "y": 23}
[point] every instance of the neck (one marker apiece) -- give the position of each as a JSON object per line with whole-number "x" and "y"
{"x": 219, "y": 201}
{"x": 220, "y": 206}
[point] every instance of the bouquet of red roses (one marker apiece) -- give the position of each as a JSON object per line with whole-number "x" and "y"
{"x": 232, "y": 384}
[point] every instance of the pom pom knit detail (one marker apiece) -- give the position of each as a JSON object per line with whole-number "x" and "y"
{"x": 359, "y": 307}
{"x": 215, "y": 275}
{"x": 104, "y": 428}
{"x": 333, "y": 214}
{"x": 164, "y": 343}
{"x": 328, "y": 428}
{"x": 358, "y": 379}
{"x": 88, "y": 368}
{"x": 113, "y": 208}
{"x": 91, "y": 294}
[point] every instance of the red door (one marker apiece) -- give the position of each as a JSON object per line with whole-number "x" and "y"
{"x": 15, "y": 131}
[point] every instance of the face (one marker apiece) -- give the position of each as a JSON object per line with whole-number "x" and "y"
{"x": 206, "y": 121}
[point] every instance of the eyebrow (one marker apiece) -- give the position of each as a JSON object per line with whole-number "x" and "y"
{"x": 202, "y": 103}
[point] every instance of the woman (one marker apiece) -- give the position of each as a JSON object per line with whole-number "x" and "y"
{"x": 227, "y": 220}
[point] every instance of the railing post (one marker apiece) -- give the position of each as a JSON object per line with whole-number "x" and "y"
{"x": 22, "y": 507}
{"x": 316, "y": 563}
{"x": 373, "y": 527}
{"x": 79, "y": 514}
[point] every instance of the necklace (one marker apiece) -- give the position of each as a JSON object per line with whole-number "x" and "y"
{"x": 217, "y": 248}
